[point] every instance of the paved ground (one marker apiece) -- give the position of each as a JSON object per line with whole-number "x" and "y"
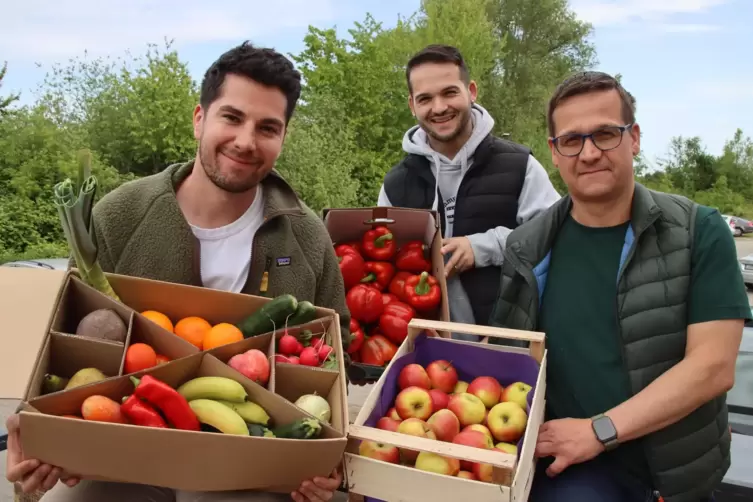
{"x": 357, "y": 394}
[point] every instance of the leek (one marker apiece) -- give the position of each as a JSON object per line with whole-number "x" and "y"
{"x": 75, "y": 203}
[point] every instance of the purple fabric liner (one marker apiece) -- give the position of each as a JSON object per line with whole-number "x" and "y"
{"x": 470, "y": 361}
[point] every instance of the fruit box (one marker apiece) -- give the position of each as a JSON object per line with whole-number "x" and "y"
{"x": 42, "y": 309}
{"x": 510, "y": 476}
{"x": 349, "y": 224}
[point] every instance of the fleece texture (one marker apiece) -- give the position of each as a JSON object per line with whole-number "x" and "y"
{"x": 140, "y": 231}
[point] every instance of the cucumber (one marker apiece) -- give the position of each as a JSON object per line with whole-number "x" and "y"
{"x": 305, "y": 428}
{"x": 270, "y": 317}
{"x": 259, "y": 431}
{"x": 304, "y": 313}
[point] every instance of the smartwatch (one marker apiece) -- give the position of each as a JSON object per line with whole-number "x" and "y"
{"x": 605, "y": 431}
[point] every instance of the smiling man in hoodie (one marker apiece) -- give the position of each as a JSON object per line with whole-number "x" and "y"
{"x": 482, "y": 186}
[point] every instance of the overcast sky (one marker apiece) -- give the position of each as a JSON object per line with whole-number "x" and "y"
{"x": 688, "y": 62}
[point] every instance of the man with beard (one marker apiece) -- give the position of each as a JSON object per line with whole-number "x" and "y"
{"x": 225, "y": 220}
{"x": 482, "y": 186}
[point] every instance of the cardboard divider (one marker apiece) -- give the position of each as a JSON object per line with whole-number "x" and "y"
{"x": 63, "y": 355}
{"x": 162, "y": 341}
{"x": 178, "y": 459}
{"x": 79, "y": 299}
{"x": 263, "y": 343}
{"x": 293, "y": 381}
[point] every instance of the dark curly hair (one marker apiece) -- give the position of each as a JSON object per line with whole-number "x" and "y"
{"x": 264, "y": 65}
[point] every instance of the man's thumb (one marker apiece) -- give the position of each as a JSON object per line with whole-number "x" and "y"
{"x": 559, "y": 465}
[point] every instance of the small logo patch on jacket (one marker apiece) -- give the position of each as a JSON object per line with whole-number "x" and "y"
{"x": 283, "y": 262}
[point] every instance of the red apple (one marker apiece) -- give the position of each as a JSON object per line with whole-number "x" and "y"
{"x": 517, "y": 393}
{"x": 414, "y": 427}
{"x": 481, "y": 428}
{"x": 466, "y": 475}
{"x": 253, "y": 364}
{"x": 507, "y": 448}
{"x": 392, "y": 413}
{"x": 432, "y": 462}
{"x": 472, "y": 438}
{"x": 483, "y": 472}
{"x": 487, "y": 389}
{"x": 413, "y": 402}
{"x": 443, "y": 375}
{"x": 460, "y": 387}
{"x": 486, "y": 418}
{"x": 413, "y": 375}
{"x": 445, "y": 424}
{"x": 379, "y": 451}
{"x": 439, "y": 399}
{"x": 468, "y": 408}
{"x": 388, "y": 424}
{"x": 507, "y": 422}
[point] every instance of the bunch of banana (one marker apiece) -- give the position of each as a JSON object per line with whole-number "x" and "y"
{"x": 223, "y": 403}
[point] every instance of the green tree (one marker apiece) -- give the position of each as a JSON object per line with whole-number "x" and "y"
{"x": 7, "y": 101}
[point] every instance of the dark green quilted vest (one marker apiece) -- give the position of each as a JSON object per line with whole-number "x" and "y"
{"x": 689, "y": 458}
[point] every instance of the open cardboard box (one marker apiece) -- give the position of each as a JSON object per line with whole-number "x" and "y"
{"x": 41, "y": 309}
{"x": 349, "y": 224}
{"x": 511, "y": 475}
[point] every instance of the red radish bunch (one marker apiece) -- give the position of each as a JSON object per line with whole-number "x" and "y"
{"x": 306, "y": 349}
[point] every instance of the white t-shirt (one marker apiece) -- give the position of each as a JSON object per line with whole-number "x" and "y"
{"x": 226, "y": 251}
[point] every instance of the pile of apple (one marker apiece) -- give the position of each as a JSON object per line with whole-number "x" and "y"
{"x": 433, "y": 403}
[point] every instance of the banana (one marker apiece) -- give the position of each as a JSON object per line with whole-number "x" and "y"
{"x": 219, "y": 416}
{"x": 249, "y": 411}
{"x": 213, "y": 387}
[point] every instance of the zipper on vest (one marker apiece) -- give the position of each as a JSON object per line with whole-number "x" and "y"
{"x": 264, "y": 285}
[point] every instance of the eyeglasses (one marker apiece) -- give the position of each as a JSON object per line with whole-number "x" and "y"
{"x": 606, "y": 138}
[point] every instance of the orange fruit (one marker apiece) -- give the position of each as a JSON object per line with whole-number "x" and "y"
{"x": 162, "y": 359}
{"x": 221, "y": 334}
{"x": 159, "y": 318}
{"x": 139, "y": 356}
{"x": 193, "y": 330}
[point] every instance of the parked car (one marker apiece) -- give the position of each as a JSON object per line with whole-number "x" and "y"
{"x": 48, "y": 263}
{"x": 731, "y": 223}
{"x": 742, "y": 226}
{"x": 746, "y": 267}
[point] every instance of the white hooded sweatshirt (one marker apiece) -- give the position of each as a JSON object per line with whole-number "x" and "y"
{"x": 537, "y": 194}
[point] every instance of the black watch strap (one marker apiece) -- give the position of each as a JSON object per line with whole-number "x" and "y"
{"x": 605, "y": 431}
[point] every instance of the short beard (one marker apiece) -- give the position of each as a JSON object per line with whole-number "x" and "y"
{"x": 209, "y": 163}
{"x": 465, "y": 118}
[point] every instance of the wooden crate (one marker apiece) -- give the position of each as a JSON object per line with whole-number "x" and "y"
{"x": 370, "y": 479}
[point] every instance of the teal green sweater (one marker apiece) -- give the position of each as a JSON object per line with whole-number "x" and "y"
{"x": 140, "y": 231}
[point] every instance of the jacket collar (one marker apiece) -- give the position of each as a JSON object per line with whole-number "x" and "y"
{"x": 279, "y": 196}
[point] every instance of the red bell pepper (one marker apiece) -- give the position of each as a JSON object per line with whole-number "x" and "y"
{"x": 380, "y": 273}
{"x": 388, "y": 348}
{"x": 168, "y": 400}
{"x": 377, "y": 350}
{"x": 348, "y": 248}
{"x": 412, "y": 257}
{"x": 365, "y": 303}
{"x": 141, "y": 413}
{"x": 356, "y": 337}
{"x": 394, "y": 321}
{"x": 352, "y": 265}
{"x": 422, "y": 292}
{"x": 388, "y": 298}
{"x": 378, "y": 244}
{"x": 397, "y": 285}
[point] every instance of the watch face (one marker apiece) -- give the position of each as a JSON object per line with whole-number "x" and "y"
{"x": 604, "y": 429}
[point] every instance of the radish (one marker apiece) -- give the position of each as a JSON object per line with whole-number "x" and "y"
{"x": 288, "y": 345}
{"x": 309, "y": 357}
{"x": 281, "y": 358}
{"x": 298, "y": 348}
{"x": 324, "y": 352}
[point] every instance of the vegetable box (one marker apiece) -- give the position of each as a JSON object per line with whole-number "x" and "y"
{"x": 122, "y": 395}
{"x": 393, "y": 255}
{"x": 450, "y": 419}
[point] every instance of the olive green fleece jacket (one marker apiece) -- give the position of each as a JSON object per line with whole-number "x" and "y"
{"x": 140, "y": 230}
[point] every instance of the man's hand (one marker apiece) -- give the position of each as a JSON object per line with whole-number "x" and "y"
{"x": 31, "y": 474}
{"x": 461, "y": 258}
{"x": 318, "y": 489}
{"x": 570, "y": 441}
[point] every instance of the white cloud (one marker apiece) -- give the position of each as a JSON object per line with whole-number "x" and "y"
{"x": 42, "y": 30}
{"x": 609, "y": 12}
{"x": 686, "y": 28}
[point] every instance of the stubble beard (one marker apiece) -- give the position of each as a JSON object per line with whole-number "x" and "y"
{"x": 210, "y": 163}
{"x": 465, "y": 118}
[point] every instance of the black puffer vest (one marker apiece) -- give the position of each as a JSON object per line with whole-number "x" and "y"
{"x": 487, "y": 197}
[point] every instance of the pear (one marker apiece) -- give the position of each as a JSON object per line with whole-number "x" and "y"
{"x": 85, "y": 376}
{"x": 53, "y": 383}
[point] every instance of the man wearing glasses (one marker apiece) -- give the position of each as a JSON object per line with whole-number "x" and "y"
{"x": 642, "y": 302}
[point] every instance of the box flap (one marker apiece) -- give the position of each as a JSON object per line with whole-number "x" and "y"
{"x": 28, "y": 298}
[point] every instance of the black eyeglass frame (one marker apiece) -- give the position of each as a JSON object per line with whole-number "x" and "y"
{"x": 584, "y": 137}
